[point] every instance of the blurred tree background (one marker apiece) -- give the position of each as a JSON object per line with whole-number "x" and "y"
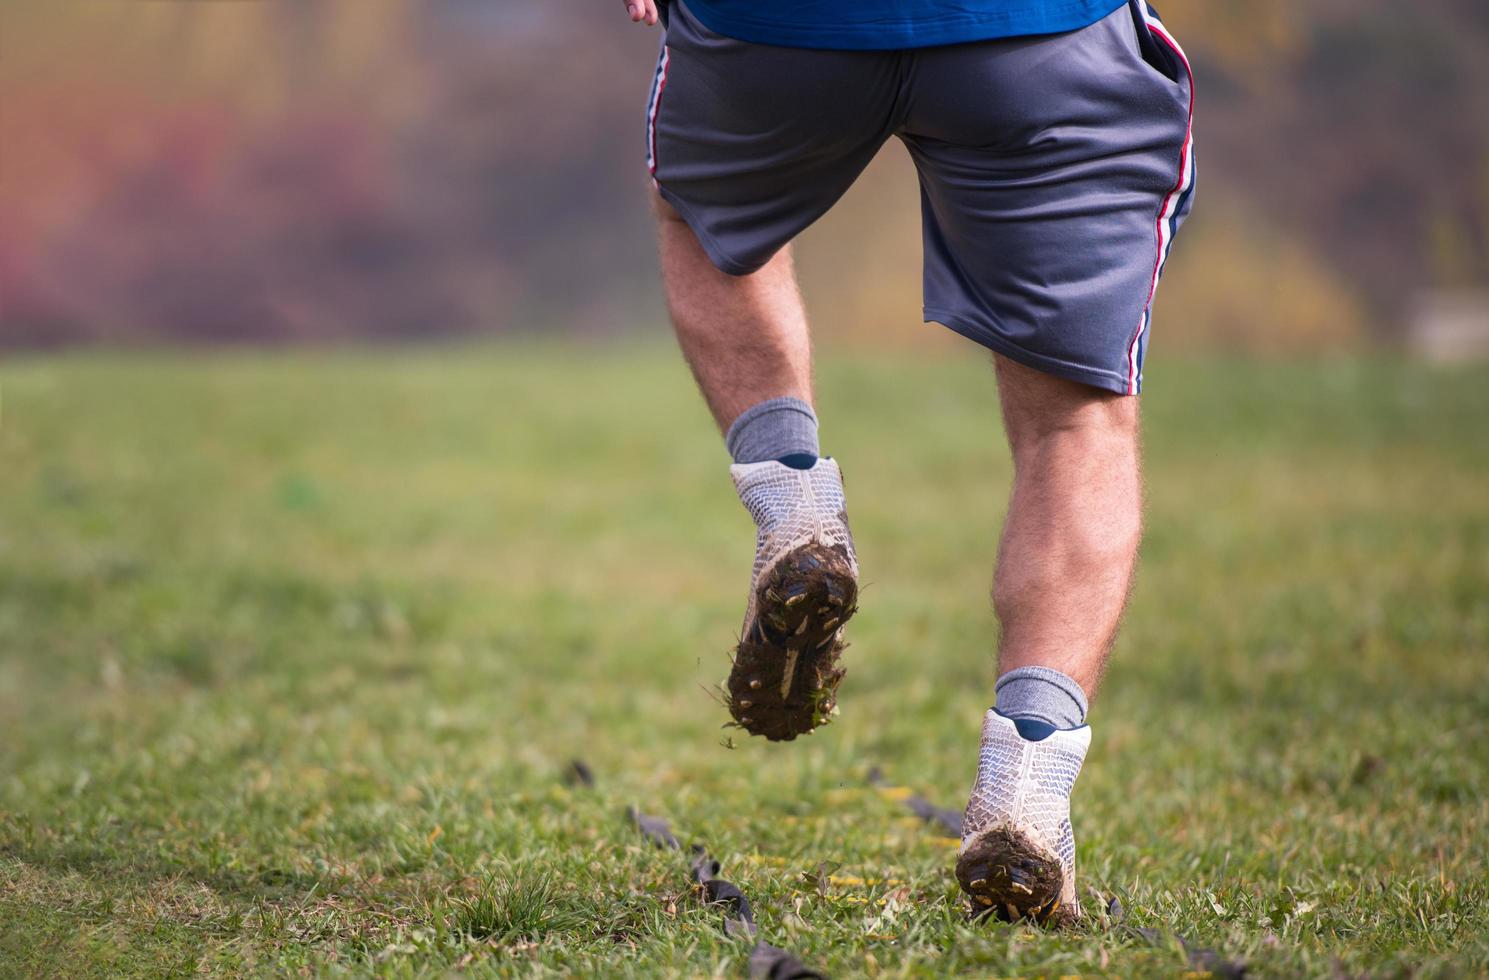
{"x": 325, "y": 169}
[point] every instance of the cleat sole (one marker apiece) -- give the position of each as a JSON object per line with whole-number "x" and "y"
{"x": 1006, "y": 874}
{"x": 788, "y": 667}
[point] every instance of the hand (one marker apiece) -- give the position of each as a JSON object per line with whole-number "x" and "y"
{"x": 642, "y": 10}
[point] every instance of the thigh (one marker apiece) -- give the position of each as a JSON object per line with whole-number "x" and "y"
{"x": 1054, "y": 173}
{"x": 752, "y": 143}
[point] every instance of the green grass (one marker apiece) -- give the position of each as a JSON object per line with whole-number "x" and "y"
{"x": 295, "y": 650}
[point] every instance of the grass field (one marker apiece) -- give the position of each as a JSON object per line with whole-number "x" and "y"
{"x": 294, "y": 652}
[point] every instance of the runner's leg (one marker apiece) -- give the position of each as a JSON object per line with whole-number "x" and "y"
{"x": 745, "y": 337}
{"x": 1070, "y": 542}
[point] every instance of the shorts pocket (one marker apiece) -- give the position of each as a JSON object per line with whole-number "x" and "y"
{"x": 1154, "y": 44}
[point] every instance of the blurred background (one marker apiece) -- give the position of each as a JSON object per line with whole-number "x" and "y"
{"x": 318, "y": 170}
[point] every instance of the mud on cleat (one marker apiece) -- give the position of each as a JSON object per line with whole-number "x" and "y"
{"x": 1017, "y": 859}
{"x": 803, "y": 589}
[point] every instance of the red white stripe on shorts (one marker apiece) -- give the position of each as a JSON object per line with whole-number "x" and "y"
{"x": 1167, "y": 221}
{"x": 659, "y": 85}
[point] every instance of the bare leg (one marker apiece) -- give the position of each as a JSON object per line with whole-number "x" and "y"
{"x": 745, "y": 337}
{"x": 1070, "y": 542}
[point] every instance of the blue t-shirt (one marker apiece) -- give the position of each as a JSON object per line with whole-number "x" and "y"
{"x": 885, "y": 25}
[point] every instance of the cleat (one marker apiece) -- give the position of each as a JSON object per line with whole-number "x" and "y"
{"x": 1018, "y": 850}
{"x": 803, "y": 587}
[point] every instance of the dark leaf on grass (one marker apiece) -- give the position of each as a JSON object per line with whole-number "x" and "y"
{"x": 1114, "y": 910}
{"x": 579, "y": 774}
{"x": 736, "y": 928}
{"x": 717, "y": 891}
{"x": 950, "y": 820}
{"x": 1201, "y": 960}
{"x": 739, "y": 918}
{"x": 767, "y": 962}
{"x": 1209, "y": 962}
{"x": 654, "y": 829}
{"x": 704, "y": 868}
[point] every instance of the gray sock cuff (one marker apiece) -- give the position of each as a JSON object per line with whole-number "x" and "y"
{"x": 772, "y": 429}
{"x": 1042, "y": 694}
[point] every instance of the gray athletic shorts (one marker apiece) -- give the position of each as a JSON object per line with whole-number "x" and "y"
{"x": 1054, "y": 170}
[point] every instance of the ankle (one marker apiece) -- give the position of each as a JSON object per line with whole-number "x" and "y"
{"x": 1041, "y": 695}
{"x": 779, "y": 428}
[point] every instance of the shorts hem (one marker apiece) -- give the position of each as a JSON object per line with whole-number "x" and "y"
{"x": 721, "y": 259}
{"x": 1095, "y": 377}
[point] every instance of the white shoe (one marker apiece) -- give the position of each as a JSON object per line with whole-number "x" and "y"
{"x": 803, "y": 589}
{"x": 1017, "y": 858}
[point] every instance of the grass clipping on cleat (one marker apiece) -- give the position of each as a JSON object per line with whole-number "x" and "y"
{"x": 787, "y": 668}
